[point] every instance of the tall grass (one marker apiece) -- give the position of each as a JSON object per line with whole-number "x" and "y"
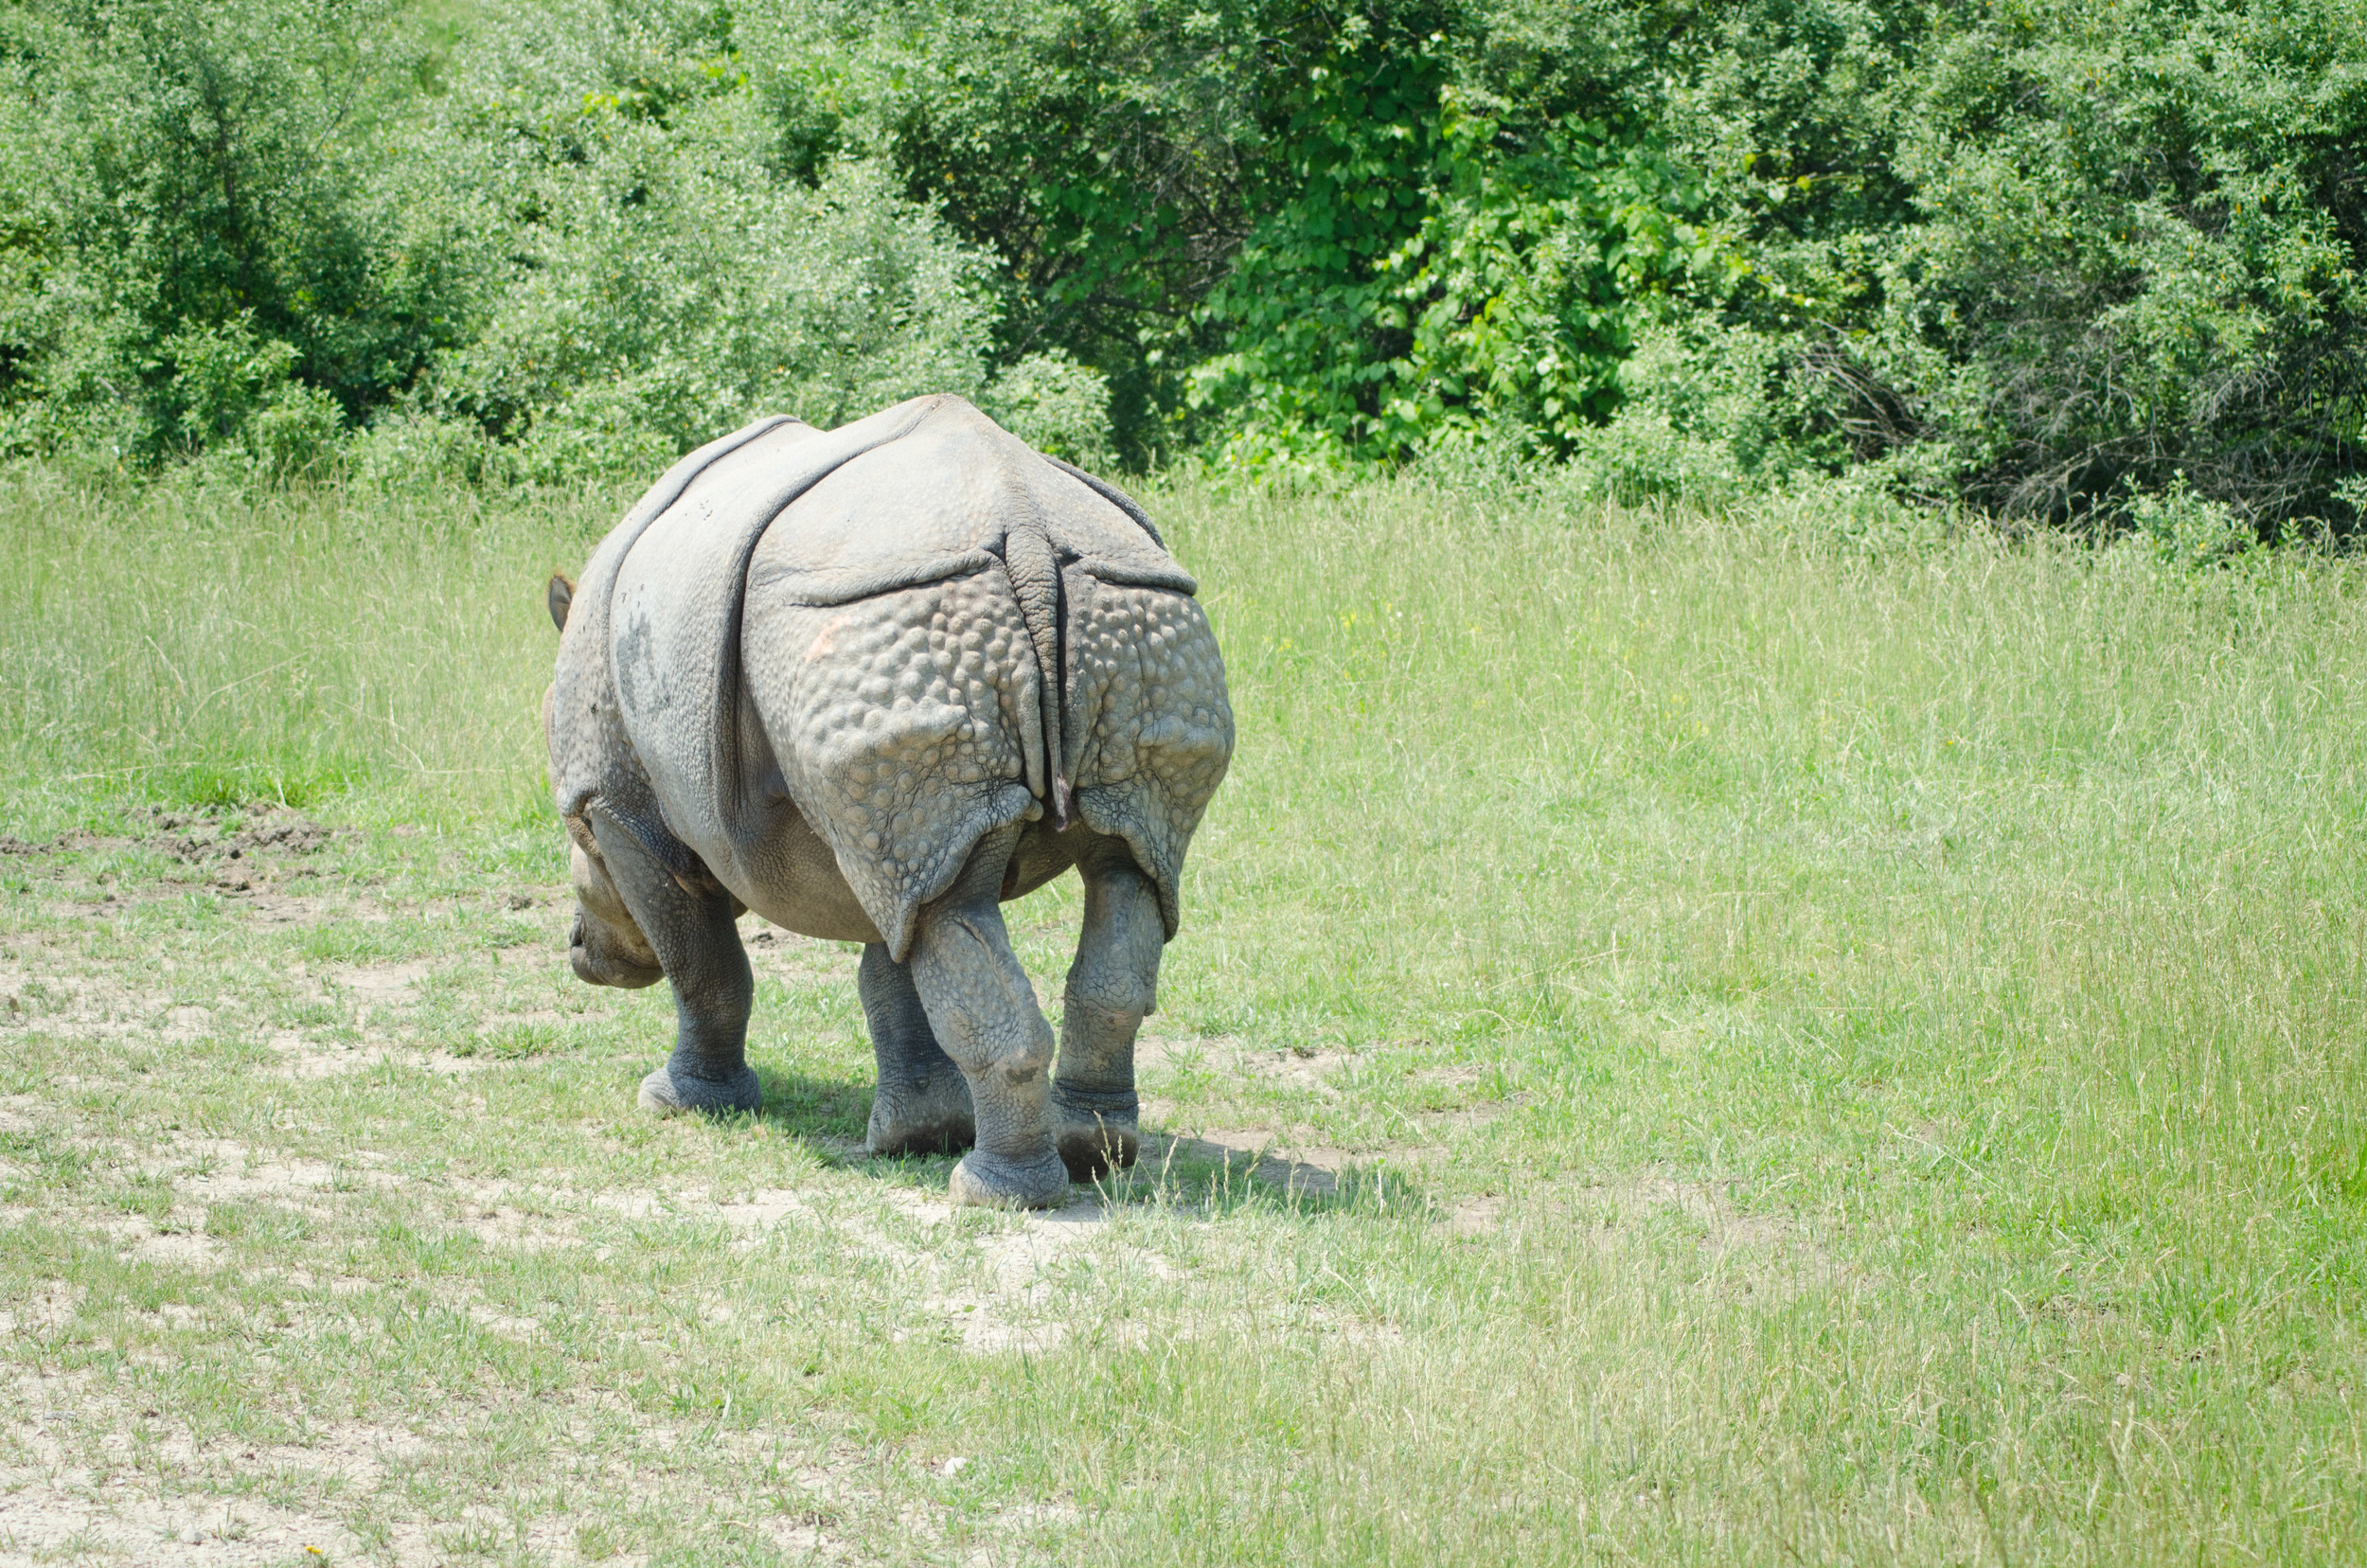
{"x": 181, "y": 643}
{"x": 1997, "y": 908}
{"x": 1983, "y": 919}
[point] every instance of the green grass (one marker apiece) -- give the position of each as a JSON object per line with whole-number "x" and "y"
{"x": 1799, "y": 1049}
{"x": 179, "y": 645}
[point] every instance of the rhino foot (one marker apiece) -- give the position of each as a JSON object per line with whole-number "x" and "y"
{"x": 1097, "y": 1133}
{"x": 989, "y": 1182}
{"x": 934, "y": 1117}
{"x": 667, "y": 1093}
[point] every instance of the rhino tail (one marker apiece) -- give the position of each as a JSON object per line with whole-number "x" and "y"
{"x": 1035, "y": 574}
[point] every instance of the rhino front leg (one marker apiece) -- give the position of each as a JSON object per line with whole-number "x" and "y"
{"x": 984, "y": 1012}
{"x": 696, "y": 944}
{"x": 922, "y": 1106}
{"x": 1111, "y": 988}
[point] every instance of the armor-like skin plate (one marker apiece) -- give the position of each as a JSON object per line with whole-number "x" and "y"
{"x": 869, "y": 683}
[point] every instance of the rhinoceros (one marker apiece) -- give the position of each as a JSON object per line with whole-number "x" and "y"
{"x": 871, "y": 684}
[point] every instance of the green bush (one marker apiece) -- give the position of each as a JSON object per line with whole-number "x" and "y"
{"x": 2044, "y": 255}
{"x": 580, "y": 243}
{"x": 1055, "y": 405}
{"x": 1304, "y": 236}
{"x": 198, "y": 228}
{"x": 664, "y": 281}
{"x": 2037, "y": 257}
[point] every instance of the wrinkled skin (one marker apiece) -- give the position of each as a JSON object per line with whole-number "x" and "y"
{"x": 872, "y": 685}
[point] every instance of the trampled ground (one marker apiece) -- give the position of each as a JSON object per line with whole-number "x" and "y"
{"x": 340, "y": 1234}
{"x": 1720, "y": 1042}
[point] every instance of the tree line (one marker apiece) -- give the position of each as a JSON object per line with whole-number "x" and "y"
{"x": 2046, "y": 258}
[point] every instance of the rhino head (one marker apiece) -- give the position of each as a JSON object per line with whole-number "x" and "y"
{"x": 605, "y": 946}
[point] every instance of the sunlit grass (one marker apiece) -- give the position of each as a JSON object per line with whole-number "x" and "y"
{"x": 1842, "y": 1050}
{"x": 184, "y": 645}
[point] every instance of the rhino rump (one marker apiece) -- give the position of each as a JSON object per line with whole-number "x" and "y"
{"x": 903, "y": 723}
{"x": 833, "y": 616}
{"x": 899, "y": 724}
{"x": 1148, "y": 730}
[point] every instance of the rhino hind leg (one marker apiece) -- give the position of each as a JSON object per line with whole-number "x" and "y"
{"x": 1112, "y": 986}
{"x": 697, "y": 943}
{"x": 983, "y": 1012}
{"x": 922, "y": 1106}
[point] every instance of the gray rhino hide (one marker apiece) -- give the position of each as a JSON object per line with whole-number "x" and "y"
{"x": 898, "y": 587}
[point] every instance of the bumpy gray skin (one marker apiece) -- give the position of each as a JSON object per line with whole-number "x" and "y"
{"x": 871, "y": 684}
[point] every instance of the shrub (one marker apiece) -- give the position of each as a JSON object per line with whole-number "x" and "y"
{"x": 2038, "y": 258}
{"x": 1055, "y": 405}
{"x": 665, "y": 281}
{"x": 195, "y": 229}
{"x": 2046, "y": 256}
{"x": 225, "y": 231}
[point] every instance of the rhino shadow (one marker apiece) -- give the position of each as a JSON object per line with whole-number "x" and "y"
{"x": 1208, "y": 1177}
{"x": 826, "y": 1115}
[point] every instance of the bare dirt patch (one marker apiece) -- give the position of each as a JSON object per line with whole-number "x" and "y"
{"x": 72, "y": 1494}
{"x": 797, "y": 961}
{"x": 231, "y": 834}
{"x": 177, "y": 1244}
{"x": 223, "y": 1169}
{"x": 1301, "y": 1067}
{"x": 48, "y": 1309}
{"x": 78, "y": 841}
{"x": 381, "y": 984}
{"x": 238, "y": 854}
{"x": 64, "y": 1512}
{"x": 90, "y": 1006}
{"x": 1003, "y": 1291}
{"x": 274, "y": 908}
{"x": 998, "y": 1290}
{"x": 305, "y": 1058}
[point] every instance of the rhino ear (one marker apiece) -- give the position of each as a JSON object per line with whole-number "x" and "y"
{"x": 561, "y": 594}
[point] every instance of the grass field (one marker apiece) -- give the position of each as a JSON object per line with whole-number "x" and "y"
{"x": 1691, "y": 1041}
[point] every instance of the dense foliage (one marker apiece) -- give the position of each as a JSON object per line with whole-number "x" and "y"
{"x": 2045, "y": 257}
